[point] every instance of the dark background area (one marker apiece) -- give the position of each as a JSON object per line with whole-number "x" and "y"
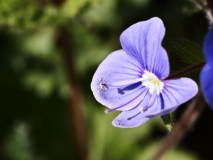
{"x": 49, "y": 51}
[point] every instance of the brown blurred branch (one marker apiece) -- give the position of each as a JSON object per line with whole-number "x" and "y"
{"x": 186, "y": 70}
{"x": 210, "y": 6}
{"x": 76, "y": 115}
{"x": 209, "y": 11}
{"x": 180, "y": 129}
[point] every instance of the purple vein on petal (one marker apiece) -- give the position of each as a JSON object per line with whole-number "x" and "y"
{"x": 139, "y": 68}
{"x": 145, "y": 50}
{"x": 159, "y": 71}
{"x": 110, "y": 110}
{"x": 145, "y": 96}
{"x": 138, "y": 88}
{"x": 136, "y": 75}
{"x": 162, "y": 103}
{"x": 171, "y": 83}
{"x": 177, "y": 89}
{"x": 133, "y": 116}
{"x": 127, "y": 68}
{"x": 146, "y": 45}
{"x": 157, "y": 101}
{"x": 125, "y": 82}
{"x": 150, "y": 102}
{"x": 154, "y": 64}
{"x": 165, "y": 94}
{"x": 172, "y": 96}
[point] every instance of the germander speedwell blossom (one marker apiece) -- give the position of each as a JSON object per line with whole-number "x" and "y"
{"x": 206, "y": 75}
{"x": 132, "y": 80}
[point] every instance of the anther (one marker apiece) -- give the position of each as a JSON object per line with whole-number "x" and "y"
{"x": 106, "y": 111}
{"x": 143, "y": 109}
{"x": 103, "y": 86}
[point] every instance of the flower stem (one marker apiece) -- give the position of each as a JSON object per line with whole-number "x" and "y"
{"x": 186, "y": 70}
{"x": 187, "y": 120}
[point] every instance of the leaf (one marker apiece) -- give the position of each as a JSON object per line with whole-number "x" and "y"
{"x": 38, "y": 14}
{"x": 167, "y": 122}
{"x": 190, "y": 52}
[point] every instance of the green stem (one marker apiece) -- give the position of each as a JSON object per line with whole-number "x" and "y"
{"x": 167, "y": 122}
{"x": 186, "y": 70}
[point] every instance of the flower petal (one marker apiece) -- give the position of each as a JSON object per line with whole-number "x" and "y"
{"x": 143, "y": 42}
{"x": 115, "y": 83}
{"x": 129, "y": 119}
{"x": 208, "y": 47}
{"x": 134, "y": 117}
{"x": 175, "y": 93}
{"x": 206, "y": 78}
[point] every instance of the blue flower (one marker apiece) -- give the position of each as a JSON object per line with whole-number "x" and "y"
{"x": 206, "y": 76}
{"x": 132, "y": 80}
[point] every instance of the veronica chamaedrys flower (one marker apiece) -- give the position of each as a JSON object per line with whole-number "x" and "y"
{"x": 132, "y": 80}
{"x": 206, "y": 76}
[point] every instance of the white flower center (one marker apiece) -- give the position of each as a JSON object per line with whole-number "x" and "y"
{"x": 152, "y": 82}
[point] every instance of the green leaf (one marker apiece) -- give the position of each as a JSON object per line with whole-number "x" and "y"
{"x": 167, "y": 122}
{"x": 190, "y": 52}
{"x": 38, "y": 14}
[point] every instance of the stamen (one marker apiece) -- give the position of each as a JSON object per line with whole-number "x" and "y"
{"x": 106, "y": 111}
{"x": 151, "y": 81}
{"x": 113, "y": 109}
{"x": 103, "y": 86}
{"x": 143, "y": 109}
{"x": 150, "y": 103}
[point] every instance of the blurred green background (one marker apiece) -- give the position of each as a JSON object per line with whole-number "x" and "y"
{"x": 49, "y": 51}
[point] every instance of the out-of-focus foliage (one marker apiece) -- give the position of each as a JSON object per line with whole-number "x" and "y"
{"x": 48, "y": 74}
{"x": 107, "y": 142}
{"x": 174, "y": 154}
{"x": 33, "y": 14}
{"x": 18, "y": 145}
{"x": 34, "y": 86}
